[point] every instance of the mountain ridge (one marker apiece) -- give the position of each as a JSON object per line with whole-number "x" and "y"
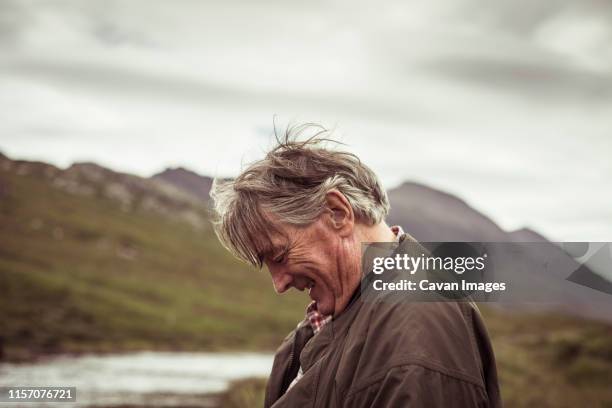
{"x": 414, "y": 205}
{"x": 186, "y": 180}
{"x": 428, "y": 214}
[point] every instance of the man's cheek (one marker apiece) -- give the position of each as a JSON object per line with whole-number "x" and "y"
{"x": 345, "y": 264}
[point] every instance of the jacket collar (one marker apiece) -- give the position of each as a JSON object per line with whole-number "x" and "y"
{"x": 339, "y": 325}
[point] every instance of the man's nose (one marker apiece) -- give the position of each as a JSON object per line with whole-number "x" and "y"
{"x": 282, "y": 281}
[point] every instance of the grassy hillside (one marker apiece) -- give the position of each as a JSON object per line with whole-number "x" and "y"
{"x": 551, "y": 360}
{"x": 80, "y": 273}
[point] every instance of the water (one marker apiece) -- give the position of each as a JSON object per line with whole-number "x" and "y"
{"x": 144, "y": 378}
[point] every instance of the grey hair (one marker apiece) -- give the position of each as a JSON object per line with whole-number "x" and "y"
{"x": 290, "y": 184}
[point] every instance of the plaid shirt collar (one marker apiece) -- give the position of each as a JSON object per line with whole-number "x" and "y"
{"x": 316, "y": 319}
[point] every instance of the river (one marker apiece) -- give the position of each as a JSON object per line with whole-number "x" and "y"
{"x": 140, "y": 379}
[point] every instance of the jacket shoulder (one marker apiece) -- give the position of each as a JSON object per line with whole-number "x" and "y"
{"x": 440, "y": 336}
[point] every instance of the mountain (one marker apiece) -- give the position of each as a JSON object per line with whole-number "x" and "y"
{"x": 432, "y": 215}
{"x": 186, "y": 181}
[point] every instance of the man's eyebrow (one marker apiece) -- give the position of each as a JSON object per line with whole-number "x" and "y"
{"x": 267, "y": 250}
{"x": 273, "y": 250}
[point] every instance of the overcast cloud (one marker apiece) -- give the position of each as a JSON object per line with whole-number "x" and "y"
{"x": 507, "y": 104}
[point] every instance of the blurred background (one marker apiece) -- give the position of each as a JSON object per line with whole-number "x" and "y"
{"x": 484, "y": 120}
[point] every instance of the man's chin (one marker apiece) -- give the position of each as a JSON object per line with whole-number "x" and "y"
{"x": 326, "y": 302}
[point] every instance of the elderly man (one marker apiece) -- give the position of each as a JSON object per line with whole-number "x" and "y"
{"x": 304, "y": 211}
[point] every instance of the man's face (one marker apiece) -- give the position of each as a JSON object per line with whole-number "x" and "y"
{"x": 318, "y": 258}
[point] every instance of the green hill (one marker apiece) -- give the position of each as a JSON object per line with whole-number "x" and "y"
{"x": 81, "y": 271}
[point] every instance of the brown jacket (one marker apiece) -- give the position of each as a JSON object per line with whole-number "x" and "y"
{"x": 381, "y": 354}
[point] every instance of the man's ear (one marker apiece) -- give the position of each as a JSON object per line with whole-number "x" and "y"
{"x": 340, "y": 212}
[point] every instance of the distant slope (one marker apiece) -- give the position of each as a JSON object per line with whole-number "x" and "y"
{"x": 187, "y": 181}
{"x": 91, "y": 259}
{"x": 526, "y": 235}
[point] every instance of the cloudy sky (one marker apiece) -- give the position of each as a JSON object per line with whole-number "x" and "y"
{"x": 507, "y": 104}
